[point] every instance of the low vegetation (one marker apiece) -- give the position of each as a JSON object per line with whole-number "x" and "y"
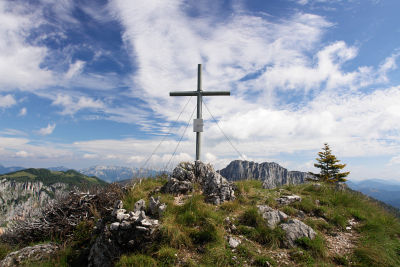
{"x": 194, "y": 233}
{"x": 47, "y": 177}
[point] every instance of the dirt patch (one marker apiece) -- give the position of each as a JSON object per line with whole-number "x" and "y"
{"x": 343, "y": 243}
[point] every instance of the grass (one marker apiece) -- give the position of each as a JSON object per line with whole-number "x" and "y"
{"x": 70, "y": 177}
{"x": 136, "y": 260}
{"x": 195, "y": 233}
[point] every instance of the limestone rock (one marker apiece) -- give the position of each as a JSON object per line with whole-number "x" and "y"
{"x": 285, "y": 200}
{"x": 175, "y": 186}
{"x": 125, "y": 231}
{"x": 114, "y": 226}
{"x": 296, "y": 229}
{"x": 156, "y": 207}
{"x": 20, "y": 200}
{"x": 215, "y": 187}
{"x": 34, "y": 253}
{"x": 272, "y": 217}
{"x": 271, "y": 173}
{"x": 140, "y": 205}
{"x": 234, "y": 242}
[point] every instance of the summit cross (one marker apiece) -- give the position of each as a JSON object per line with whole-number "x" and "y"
{"x": 198, "y": 122}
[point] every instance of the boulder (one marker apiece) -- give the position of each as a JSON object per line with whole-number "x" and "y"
{"x": 296, "y": 229}
{"x": 216, "y": 188}
{"x": 31, "y": 254}
{"x": 285, "y": 200}
{"x": 272, "y": 217}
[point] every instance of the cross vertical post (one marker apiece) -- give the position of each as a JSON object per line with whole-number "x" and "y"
{"x": 198, "y": 122}
{"x": 199, "y": 111}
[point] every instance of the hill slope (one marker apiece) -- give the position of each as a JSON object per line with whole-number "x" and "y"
{"x": 23, "y": 193}
{"x": 350, "y": 230}
{"x": 386, "y": 191}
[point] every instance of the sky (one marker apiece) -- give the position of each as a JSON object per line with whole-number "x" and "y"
{"x": 87, "y": 83}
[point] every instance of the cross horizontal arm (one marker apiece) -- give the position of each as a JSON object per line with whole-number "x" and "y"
{"x": 183, "y": 93}
{"x": 203, "y": 93}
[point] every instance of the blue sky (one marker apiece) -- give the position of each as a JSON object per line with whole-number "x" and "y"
{"x": 87, "y": 82}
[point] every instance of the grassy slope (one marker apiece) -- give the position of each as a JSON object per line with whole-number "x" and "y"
{"x": 194, "y": 234}
{"x": 71, "y": 177}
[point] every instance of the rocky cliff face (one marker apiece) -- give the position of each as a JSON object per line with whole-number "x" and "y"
{"x": 20, "y": 200}
{"x": 271, "y": 173}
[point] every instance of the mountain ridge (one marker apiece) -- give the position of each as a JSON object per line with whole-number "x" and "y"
{"x": 271, "y": 173}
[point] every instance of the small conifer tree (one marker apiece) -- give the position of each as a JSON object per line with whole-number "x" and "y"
{"x": 330, "y": 167}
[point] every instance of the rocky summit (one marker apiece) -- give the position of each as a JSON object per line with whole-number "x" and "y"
{"x": 216, "y": 188}
{"x": 271, "y": 173}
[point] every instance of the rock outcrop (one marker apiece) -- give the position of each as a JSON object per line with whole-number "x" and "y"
{"x": 272, "y": 174}
{"x": 296, "y": 229}
{"x": 286, "y": 200}
{"x": 216, "y": 188}
{"x": 271, "y": 216}
{"x": 30, "y": 254}
{"x": 20, "y": 200}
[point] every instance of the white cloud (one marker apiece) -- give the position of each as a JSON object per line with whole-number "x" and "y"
{"x": 12, "y": 132}
{"x": 22, "y": 154}
{"x": 20, "y": 61}
{"x": 75, "y": 69}
{"x": 394, "y": 160}
{"x": 72, "y": 105}
{"x": 47, "y": 130}
{"x": 22, "y": 112}
{"x": 90, "y": 156}
{"x": 7, "y": 101}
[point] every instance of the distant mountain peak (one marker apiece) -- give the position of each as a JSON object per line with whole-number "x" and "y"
{"x": 271, "y": 173}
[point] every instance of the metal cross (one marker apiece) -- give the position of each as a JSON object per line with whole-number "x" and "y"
{"x": 198, "y": 122}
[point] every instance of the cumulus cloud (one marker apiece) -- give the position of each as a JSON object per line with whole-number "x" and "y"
{"x": 20, "y": 62}
{"x": 7, "y": 101}
{"x": 47, "y": 130}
